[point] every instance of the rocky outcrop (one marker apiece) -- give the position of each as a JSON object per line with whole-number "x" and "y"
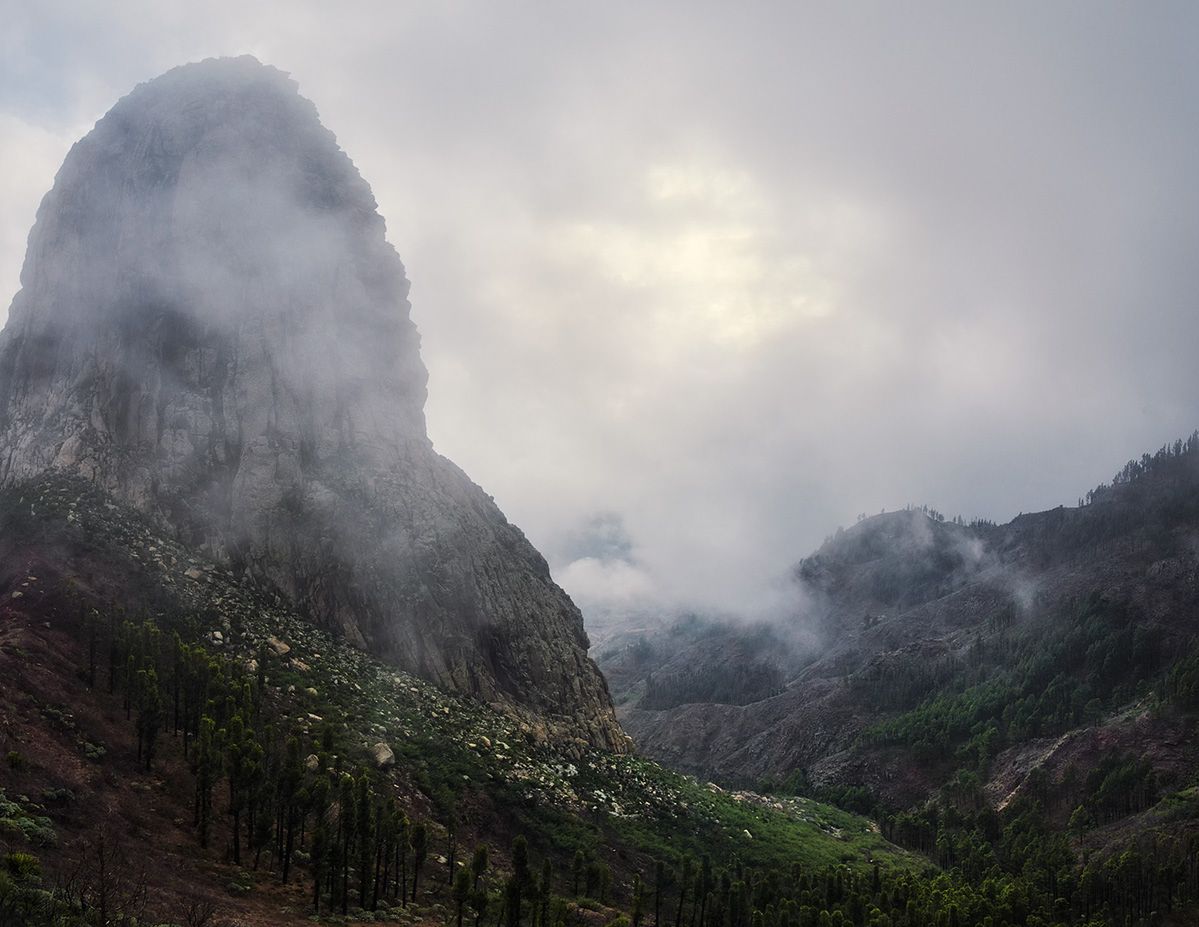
{"x": 213, "y": 327}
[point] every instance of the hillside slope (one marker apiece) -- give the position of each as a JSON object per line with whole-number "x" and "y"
{"x": 86, "y": 582}
{"x": 180, "y": 746}
{"x": 1051, "y": 659}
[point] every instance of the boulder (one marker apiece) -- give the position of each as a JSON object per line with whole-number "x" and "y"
{"x": 382, "y": 755}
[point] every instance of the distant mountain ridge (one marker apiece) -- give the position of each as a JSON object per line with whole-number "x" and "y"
{"x": 213, "y": 327}
{"x": 1010, "y": 651}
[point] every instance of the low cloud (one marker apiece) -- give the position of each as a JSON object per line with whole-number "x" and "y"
{"x": 731, "y": 278}
{"x": 599, "y": 585}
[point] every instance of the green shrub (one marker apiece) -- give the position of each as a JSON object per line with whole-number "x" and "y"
{"x": 25, "y": 867}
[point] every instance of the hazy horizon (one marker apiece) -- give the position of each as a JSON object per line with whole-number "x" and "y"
{"x": 694, "y": 291}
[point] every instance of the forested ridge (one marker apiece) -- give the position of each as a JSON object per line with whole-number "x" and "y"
{"x": 1013, "y": 701}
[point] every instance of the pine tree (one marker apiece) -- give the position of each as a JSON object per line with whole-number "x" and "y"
{"x": 420, "y": 851}
{"x": 290, "y": 779}
{"x": 512, "y": 901}
{"x": 478, "y": 904}
{"x": 705, "y": 889}
{"x": 402, "y": 847}
{"x": 115, "y": 654}
{"x": 451, "y": 838}
{"x": 576, "y": 870}
{"x": 520, "y": 875}
{"x": 382, "y": 831}
{"x": 237, "y": 768}
{"x": 478, "y": 864}
{"x": 547, "y": 888}
{"x": 320, "y": 862}
{"x": 363, "y": 819}
{"x": 149, "y": 715}
{"x": 462, "y": 890}
{"x": 346, "y": 821}
{"x": 129, "y": 682}
{"x": 92, "y": 622}
{"x": 178, "y": 662}
{"x": 685, "y": 873}
{"x": 207, "y": 769}
{"x": 659, "y": 885}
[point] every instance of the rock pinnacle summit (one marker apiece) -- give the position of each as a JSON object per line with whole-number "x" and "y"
{"x": 213, "y": 327}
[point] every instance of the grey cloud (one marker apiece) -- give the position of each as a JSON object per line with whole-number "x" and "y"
{"x": 737, "y": 274}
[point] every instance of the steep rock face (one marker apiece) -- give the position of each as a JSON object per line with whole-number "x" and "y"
{"x": 212, "y": 326}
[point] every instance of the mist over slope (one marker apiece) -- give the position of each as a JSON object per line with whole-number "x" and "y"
{"x": 213, "y": 327}
{"x": 974, "y": 647}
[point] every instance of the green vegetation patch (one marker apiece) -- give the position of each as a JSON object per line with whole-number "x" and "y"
{"x": 22, "y": 818}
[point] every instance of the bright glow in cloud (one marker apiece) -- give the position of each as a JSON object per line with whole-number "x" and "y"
{"x": 707, "y": 256}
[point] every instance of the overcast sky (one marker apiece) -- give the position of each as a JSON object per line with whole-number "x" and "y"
{"x": 697, "y": 284}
